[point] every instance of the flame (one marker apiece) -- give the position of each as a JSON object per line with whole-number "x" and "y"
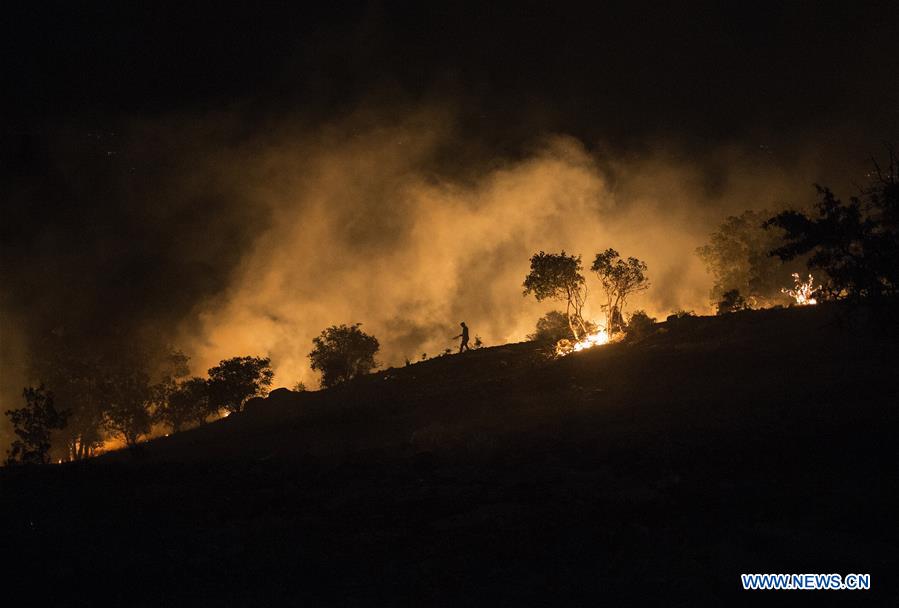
{"x": 597, "y": 339}
{"x": 566, "y": 347}
{"x": 803, "y": 292}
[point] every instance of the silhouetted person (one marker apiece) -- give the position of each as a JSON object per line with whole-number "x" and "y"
{"x": 464, "y": 335}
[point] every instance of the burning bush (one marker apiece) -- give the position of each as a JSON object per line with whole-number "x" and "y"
{"x": 566, "y": 347}
{"x": 804, "y": 291}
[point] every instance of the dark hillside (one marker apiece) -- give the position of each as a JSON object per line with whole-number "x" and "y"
{"x": 648, "y": 473}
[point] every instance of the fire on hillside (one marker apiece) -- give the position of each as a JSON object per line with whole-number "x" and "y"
{"x": 804, "y": 291}
{"x": 597, "y": 338}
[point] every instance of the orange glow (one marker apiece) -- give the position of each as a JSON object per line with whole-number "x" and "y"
{"x": 566, "y": 347}
{"x": 803, "y": 292}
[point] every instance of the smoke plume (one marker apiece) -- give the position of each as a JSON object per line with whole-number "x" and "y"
{"x": 223, "y": 239}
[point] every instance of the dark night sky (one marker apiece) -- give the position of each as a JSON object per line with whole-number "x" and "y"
{"x": 135, "y": 135}
{"x": 616, "y": 71}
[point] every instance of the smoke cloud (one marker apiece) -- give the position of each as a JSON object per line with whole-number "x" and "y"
{"x": 368, "y": 226}
{"x": 224, "y": 239}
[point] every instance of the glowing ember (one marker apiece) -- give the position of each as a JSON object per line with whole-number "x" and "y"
{"x": 565, "y": 347}
{"x": 803, "y": 291}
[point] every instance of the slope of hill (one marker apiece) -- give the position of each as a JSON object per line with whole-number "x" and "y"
{"x": 659, "y": 470}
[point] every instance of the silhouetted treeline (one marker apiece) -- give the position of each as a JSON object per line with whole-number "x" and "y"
{"x": 131, "y": 394}
{"x": 855, "y": 242}
{"x": 90, "y": 399}
{"x": 852, "y": 247}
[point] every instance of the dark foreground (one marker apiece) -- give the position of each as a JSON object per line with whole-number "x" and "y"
{"x": 644, "y": 474}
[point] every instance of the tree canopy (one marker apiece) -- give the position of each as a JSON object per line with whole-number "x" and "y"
{"x": 619, "y": 278}
{"x": 855, "y": 243}
{"x": 557, "y": 276}
{"x": 187, "y": 404}
{"x": 33, "y": 425}
{"x": 738, "y": 256}
{"x": 343, "y": 352}
{"x": 233, "y": 381}
{"x": 78, "y": 382}
{"x": 128, "y": 397}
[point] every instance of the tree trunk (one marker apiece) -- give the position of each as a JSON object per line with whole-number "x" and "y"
{"x": 568, "y": 316}
{"x": 572, "y": 327}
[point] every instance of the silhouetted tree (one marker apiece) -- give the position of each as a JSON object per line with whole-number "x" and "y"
{"x": 856, "y": 243}
{"x": 343, "y": 352}
{"x": 738, "y": 255}
{"x": 114, "y": 388}
{"x": 233, "y": 381}
{"x": 80, "y": 387}
{"x": 731, "y": 301}
{"x": 129, "y": 398}
{"x": 32, "y": 425}
{"x": 555, "y": 326}
{"x": 620, "y": 279}
{"x": 557, "y": 276}
{"x": 187, "y": 404}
